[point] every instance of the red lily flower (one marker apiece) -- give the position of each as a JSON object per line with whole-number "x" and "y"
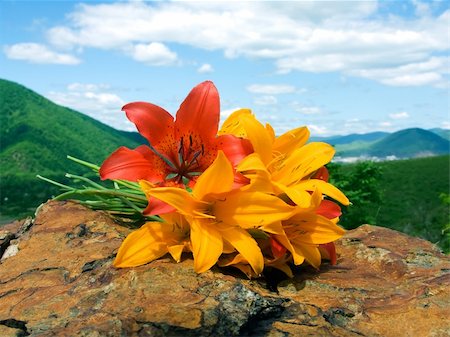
{"x": 179, "y": 149}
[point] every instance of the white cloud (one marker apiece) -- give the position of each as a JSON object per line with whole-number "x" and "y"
{"x": 309, "y": 110}
{"x": 271, "y": 89}
{"x": 399, "y": 115}
{"x": 95, "y": 101}
{"x": 345, "y": 36}
{"x": 421, "y": 8}
{"x": 445, "y": 125}
{"x": 266, "y": 100}
{"x": 318, "y": 130}
{"x": 38, "y": 53}
{"x": 306, "y": 109}
{"x": 205, "y": 68}
{"x": 154, "y": 54}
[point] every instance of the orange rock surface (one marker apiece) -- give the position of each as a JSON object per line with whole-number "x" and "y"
{"x": 58, "y": 280}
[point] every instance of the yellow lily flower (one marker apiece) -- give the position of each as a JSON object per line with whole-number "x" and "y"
{"x": 304, "y": 232}
{"x": 216, "y": 214}
{"x": 282, "y": 164}
{"x": 153, "y": 240}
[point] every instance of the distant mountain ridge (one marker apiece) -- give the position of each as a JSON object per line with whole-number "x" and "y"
{"x": 407, "y": 143}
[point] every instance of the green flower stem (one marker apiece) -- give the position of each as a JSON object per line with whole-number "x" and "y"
{"x": 119, "y": 198}
{"x": 54, "y": 182}
{"x": 84, "y": 163}
{"x": 106, "y": 192}
{"x": 89, "y": 181}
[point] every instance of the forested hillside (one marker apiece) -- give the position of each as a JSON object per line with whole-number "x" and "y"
{"x": 36, "y": 136}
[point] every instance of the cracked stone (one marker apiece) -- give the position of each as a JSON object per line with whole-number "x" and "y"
{"x": 61, "y": 282}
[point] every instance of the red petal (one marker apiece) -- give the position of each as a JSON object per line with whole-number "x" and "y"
{"x": 200, "y": 112}
{"x": 277, "y": 248}
{"x": 133, "y": 165}
{"x": 330, "y": 249}
{"x": 152, "y": 121}
{"x": 234, "y": 148}
{"x": 156, "y": 207}
{"x": 329, "y": 209}
{"x": 321, "y": 174}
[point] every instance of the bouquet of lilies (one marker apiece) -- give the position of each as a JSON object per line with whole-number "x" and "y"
{"x": 239, "y": 196}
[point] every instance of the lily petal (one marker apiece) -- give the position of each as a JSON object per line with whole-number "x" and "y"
{"x": 218, "y": 178}
{"x": 245, "y": 245}
{"x": 199, "y": 112}
{"x": 178, "y": 198}
{"x": 251, "y": 209}
{"x": 234, "y": 148}
{"x": 324, "y": 187}
{"x": 283, "y": 239}
{"x": 133, "y": 165}
{"x": 328, "y": 251}
{"x": 291, "y": 140}
{"x": 152, "y": 121}
{"x": 310, "y": 252}
{"x": 157, "y": 207}
{"x": 141, "y": 246}
{"x": 303, "y": 161}
{"x": 329, "y": 209}
{"x": 207, "y": 244}
{"x": 242, "y": 123}
{"x": 314, "y": 229}
{"x": 176, "y": 251}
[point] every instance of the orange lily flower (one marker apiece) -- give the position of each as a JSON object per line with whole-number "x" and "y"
{"x": 179, "y": 149}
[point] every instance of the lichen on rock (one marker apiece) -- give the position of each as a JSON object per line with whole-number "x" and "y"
{"x": 61, "y": 282}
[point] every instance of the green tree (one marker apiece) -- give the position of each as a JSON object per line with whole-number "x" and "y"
{"x": 444, "y": 242}
{"x": 361, "y": 185}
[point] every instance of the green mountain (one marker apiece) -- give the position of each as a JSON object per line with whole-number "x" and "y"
{"x": 444, "y": 133}
{"x": 408, "y": 143}
{"x": 36, "y": 135}
{"x": 354, "y": 137}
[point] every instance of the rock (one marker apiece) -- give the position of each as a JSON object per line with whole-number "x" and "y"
{"x": 61, "y": 282}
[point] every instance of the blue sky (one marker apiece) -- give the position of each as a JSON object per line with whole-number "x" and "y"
{"x": 338, "y": 67}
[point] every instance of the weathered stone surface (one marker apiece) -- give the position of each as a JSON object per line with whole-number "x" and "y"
{"x": 61, "y": 283}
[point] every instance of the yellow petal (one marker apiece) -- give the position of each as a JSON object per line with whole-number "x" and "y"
{"x": 232, "y": 124}
{"x": 291, "y": 140}
{"x": 300, "y": 197}
{"x": 242, "y": 123}
{"x": 254, "y": 169}
{"x": 230, "y": 260}
{"x": 259, "y": 137}
{"x": 252, "y": 162}
{"x": 251, "y": 209}
{"x": 310, "y": 252}
{"x": 281, "y": 264}
{"x": 283, "y": 239}
{"x": 314, "y": 229}
{"x": 302, "y": 162}
{"x": 142, "y": 246}
{"x": 324, "y": 187}
{"x": 176, "y": 251}
{"x": 244, "y": 243}
{"x": 270, "y": 132}
{"x": 218, "y": 178}
{"x": 273, "y": 228}
{"x": 176, "y": 197}
{"x": 207, "y": 244}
